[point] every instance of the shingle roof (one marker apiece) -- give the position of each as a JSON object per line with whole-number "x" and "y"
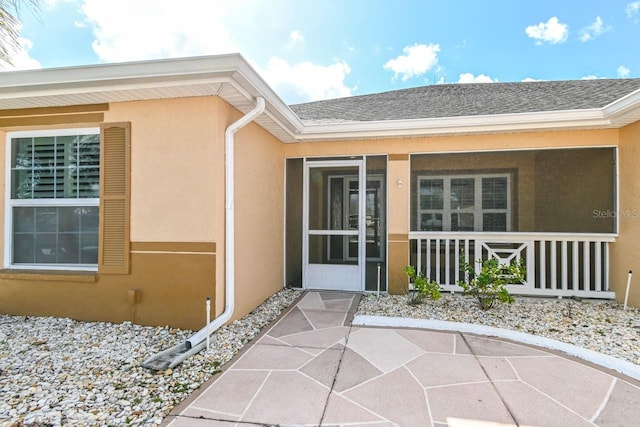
{"x": 456, "y": 100}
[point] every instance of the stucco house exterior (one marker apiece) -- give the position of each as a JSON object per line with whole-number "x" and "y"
{"x": 133, "y": 191}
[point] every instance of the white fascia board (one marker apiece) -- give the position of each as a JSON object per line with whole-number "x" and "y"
{"x": 624, "y": 109}
{"x": 165, "y": 69}
{"x": 573, "y": 119}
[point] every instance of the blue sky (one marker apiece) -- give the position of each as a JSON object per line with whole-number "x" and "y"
{"x": 310, "y": 50}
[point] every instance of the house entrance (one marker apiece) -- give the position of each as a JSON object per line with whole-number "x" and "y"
{"x": 334, "y": 225}
{"x": 324, "y": 226}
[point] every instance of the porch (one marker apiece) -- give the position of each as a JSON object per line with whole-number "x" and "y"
{"x": 557, "y": 264}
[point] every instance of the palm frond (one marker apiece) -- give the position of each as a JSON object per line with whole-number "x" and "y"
{"x": 10, "y": 27}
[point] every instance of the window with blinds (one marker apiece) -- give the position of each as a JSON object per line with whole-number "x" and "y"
{"x": 54, "y": 198}
{"x": 464, "y": 203}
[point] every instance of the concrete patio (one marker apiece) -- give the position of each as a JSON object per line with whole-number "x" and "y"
{"x": 311, "y": 367}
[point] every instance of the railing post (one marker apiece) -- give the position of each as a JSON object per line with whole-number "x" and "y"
{"x": 598, "y": 266}
{"x": 542, "y": 262}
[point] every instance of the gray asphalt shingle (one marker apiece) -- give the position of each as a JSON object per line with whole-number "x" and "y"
{"x": 458, "y": 100}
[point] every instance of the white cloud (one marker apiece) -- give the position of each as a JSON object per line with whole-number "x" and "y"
{"x": 417, "y": 60}
{"x": 470, "y": 78}
{"x": 590, "y": 77}
{"x": 623, "y": 72}
{"x": 305, "y": 81}
{"x": 594, "y": 30}
{"x": 531, "y": 79}
{"x": 296, "y": 36}
{"x": 551, "y": 31}
{"x": 127, "y": 30}
{"x": 632, "y": 9}
{"x": 21, "y": 60}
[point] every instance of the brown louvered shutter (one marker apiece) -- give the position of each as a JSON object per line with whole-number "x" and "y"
{"x": 115, "y": 167}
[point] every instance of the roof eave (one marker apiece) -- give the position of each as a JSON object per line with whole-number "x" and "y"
{"x": 25, "y": 83}
{"x": 231, "y": 69}
{"x": 625, "y": 110}
{"x": 234, "y": 71}
{"x": 499, "y": 123}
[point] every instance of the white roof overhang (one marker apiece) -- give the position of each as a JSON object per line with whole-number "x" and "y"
{"x": 234, "y": 80}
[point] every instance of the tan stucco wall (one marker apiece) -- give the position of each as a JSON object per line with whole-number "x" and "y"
{"x": 460, "y": 143}
{"x": 259, "y": 212}
{"x": 186, "y": 137}
{"x": 175, "y": 157}
{"x": 625, "y": 252}
{"x": 172, "y": 290}
{"x": 177, "y": 223}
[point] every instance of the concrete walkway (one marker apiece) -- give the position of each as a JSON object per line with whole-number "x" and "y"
{"x": 313, "y": 368}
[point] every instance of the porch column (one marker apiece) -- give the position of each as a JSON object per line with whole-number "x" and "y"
{"x": 398, "y": 221}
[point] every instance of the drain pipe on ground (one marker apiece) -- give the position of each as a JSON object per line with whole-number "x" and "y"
{"x": 229, "y": 247}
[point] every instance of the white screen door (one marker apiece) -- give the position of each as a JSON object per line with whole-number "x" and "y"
{"x": 333, "y": 209}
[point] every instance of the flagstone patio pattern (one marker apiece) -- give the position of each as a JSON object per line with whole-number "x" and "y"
{"x": 312, "y": 368}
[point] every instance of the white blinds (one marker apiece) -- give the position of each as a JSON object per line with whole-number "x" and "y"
{"x": 56, "y": 167}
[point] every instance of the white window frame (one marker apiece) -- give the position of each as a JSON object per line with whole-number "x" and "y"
{"x": 11, "y": 203}
{"x": 476, "y": 210}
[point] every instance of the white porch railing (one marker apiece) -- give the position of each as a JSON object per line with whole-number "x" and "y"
{"x": 558, "y": 264}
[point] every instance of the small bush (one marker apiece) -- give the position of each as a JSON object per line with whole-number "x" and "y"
{"x": 422, "y": 286}
{"x": 490, "y": 284}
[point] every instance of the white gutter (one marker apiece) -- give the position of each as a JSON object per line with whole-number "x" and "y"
{"x": 229, "y": 241}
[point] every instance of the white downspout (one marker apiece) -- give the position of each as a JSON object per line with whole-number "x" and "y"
{"x": 229, "y": 237}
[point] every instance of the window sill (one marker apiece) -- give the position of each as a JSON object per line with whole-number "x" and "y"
{"x": 50, "y": 275}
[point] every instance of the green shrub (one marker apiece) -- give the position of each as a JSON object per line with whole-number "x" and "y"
{"x": 422, "y": 286}
{"x": 490, "y": 284}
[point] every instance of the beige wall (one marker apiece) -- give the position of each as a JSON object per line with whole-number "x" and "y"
{"x": 259, "y": 212}
{"x": 461, "y": 143}
{"x": 186, "y": 136}
{"x": 172, "y": 287}
{"x": 177, "y": 223}
{"x": 175, "y": 155}
{"x": 625, "y": 252}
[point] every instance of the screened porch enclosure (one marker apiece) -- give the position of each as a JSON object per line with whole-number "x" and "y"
{"x": 553, "y": 209}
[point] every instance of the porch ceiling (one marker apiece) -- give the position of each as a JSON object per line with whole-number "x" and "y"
{"x": 233, "y": 79}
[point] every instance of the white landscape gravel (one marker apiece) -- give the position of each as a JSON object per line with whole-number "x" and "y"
{"x": 601, "y": 326}
{"x": 65, "y": 372}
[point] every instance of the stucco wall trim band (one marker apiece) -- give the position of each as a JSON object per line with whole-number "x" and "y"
{"x": 49, "y": 276}
{"x": 398, "y": 237}
{"x": 174, "y": 247}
